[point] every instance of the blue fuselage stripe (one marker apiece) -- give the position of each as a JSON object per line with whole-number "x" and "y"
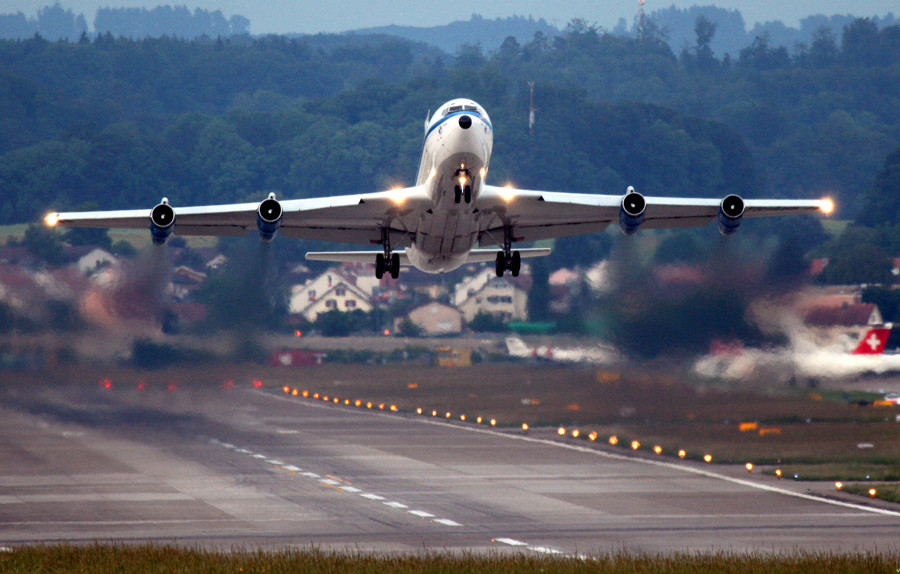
{"x": 461, "y": 113}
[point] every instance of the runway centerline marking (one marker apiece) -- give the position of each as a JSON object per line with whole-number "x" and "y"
{"x": 333, "y": 482}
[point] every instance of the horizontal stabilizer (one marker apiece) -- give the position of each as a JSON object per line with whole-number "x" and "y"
{"x": 482, "y": 255}
{"x": 354, "y": 256}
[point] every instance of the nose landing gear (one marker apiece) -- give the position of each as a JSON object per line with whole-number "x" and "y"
{"x": 463, "y": 188}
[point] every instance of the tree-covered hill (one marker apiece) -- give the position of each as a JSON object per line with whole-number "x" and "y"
{"x": 122, "y": 122}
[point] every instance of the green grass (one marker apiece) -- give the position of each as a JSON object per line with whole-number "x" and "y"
{"x": 101, "y": 559}
{"x": 889, "y": 492}
{"x": 839, "y": 471}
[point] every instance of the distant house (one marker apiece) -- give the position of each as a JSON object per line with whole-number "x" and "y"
{"x": 499, "y": 297}
{"x": 336, "y": 289}
{"x": 847, "y": 322}
{"x": 435, "y": 319}
{"x": 185, "y": 281}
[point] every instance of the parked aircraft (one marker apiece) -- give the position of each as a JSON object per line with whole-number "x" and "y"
{"x": 442, "y": 221}
{"x": 805, "y": 358}
{"x": 597, "y": 354}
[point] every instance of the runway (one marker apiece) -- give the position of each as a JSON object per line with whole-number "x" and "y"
{"x": 253, "y": 468}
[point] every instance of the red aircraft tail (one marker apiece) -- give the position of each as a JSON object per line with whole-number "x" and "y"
{"x": 873, "y": 342}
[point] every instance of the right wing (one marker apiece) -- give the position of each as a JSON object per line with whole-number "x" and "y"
{"x": 475, "y": 256}
{"x": 535, "y": 215}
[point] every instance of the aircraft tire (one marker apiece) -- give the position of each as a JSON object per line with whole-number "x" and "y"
{"x": 516, "y": 263}
{"x": 395, "y": 265}
{"x": 379, "y": 266}
{"x": 501, "y": 264}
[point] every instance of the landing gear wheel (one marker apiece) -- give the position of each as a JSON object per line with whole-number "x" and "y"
{"x": 379, "y": 266}
{"x": 501, "y": 264}
{"x": 395, "y": 265}
{"x": 457, "y": 194}
{"x": 467, "y": 192}
{"x": 516, "y": 264}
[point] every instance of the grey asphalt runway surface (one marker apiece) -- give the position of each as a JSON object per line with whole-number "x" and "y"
{"x": 254, "y": 468}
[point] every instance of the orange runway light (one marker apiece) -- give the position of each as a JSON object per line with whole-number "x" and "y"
{"x": 381, "y": 407}
{"x": 418, "y": 411}
{"x": 315, "y": 395}
{"x": 778, "y": 472}
{"x": 657, "y": 449}
{"x": 682, "y": 454}
{"x": 358, "y": 403}
{"x": 394, "y": 409}
{"x": 478, "y": 420}
{"x": 561, "y": 431}
{"x": 614, "y": 440}
{"x": 325, "y": 398}
{"x": 462, "y": 417}
{"x": 295, "y": 392}
{"x": 434, "y": 413}
{"x": 368, "y": 405}
{"x": 749, "y": 467}
{"x": 387, "y": 332}
{"x": 448, "y": 415}
{"x": 872, "y": 493}
{"x": 635, "y": 445}
{"x": 593, "y": 436}
{"x": 707, "y": 457}
{"x": 493, "y": 422}
{"x": 347, "y": 402}
{"x": 838, "y": 485}
{"x": 286, "y": 389}
{"x": 305, "y": 394}
{"x": 336, "y": 400}
{"x": 524, "y": 426}
{"x": 576, "y": 433}
{"x": 298, "y": 333}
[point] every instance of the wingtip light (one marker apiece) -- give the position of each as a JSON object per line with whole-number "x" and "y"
{"x": 51, "y": 219}
{"x": 827, "y": 206}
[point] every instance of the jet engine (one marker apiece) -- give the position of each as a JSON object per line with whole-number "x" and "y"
{"x": 162, "y": 221}
{"x": 731, "y": 210}
{"x": 268, "y": 218}
{"x": 631, "y": 212}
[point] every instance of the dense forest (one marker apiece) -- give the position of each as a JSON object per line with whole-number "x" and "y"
{"x": 120, "y": 123}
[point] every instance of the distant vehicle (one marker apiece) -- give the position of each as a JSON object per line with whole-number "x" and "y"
{"x": 892, "y": 398}
{"x": 449, "y": 211}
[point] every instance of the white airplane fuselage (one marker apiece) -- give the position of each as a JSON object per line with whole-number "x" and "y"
{"x": 455, "y": 160}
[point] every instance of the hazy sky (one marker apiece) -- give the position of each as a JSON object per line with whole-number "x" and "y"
{"x": 309, "y": 16}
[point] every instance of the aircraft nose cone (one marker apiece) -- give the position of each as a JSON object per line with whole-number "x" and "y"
{"x": 465, "y": 122}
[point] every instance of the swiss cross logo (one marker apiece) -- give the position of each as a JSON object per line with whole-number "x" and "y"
{"x": 874, "y": 342}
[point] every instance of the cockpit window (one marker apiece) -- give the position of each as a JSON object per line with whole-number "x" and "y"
{"x": 466, "y": 108}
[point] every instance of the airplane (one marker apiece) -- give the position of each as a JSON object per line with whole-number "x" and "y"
{"x": 442, "y": 221}
{"x": 598, "y": 354}
{"x": 806, "y": 358}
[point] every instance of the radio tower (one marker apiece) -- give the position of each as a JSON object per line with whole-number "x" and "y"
{"x": 640, "y": 19}
{"x": 531, "y": 109}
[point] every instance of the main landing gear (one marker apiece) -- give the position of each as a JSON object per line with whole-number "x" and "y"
{"x": 462, "y": 190}
{"x": 387, "y": 261}
{"x": 508, "y": 260}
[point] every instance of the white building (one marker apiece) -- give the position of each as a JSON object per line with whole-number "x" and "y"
{"x": 336, "y": 289}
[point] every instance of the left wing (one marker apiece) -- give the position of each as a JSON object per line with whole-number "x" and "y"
{"x": 347, "y": 218}
{"x": 535, "y": 215}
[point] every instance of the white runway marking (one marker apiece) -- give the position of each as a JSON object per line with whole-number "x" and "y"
{"x": 371, "y": 496}
{"x": 291, "y": 468}
{"x": 395, "y": 505}
{"x": 421, "y": 513}
{"x": 511, "y": 542}
{"x": 446, "y": 522}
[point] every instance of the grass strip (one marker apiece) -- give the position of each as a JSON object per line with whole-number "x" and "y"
{"x": 101, "y": 559}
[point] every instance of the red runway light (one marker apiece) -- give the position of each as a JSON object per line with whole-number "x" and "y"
{"x": 257, "y": 384}
{"x": 228, "y": 384}
{"x": 141, "y": 385}
{"x": 172, "y": 387}
{"x": 107, "y": 384}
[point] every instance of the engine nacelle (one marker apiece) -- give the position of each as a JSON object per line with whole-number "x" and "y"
{"x": 268, "y": 218}
{"x": 731, "y": 210}
{"x": 162, "y": 222}
{"x": 631, "y": 211}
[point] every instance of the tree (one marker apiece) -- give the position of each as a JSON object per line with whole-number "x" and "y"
{"x": 882, "y": 201}
{"x": 44, "y": 243}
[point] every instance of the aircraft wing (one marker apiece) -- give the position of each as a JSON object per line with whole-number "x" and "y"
{"x": 538, "y": 215}
{"x": 345, "y": 218}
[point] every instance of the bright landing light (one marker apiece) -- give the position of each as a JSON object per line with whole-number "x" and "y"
{"x": 827, "y": 206}
{"x": 52, "y": 219}
{"x": 507, "y": 193}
